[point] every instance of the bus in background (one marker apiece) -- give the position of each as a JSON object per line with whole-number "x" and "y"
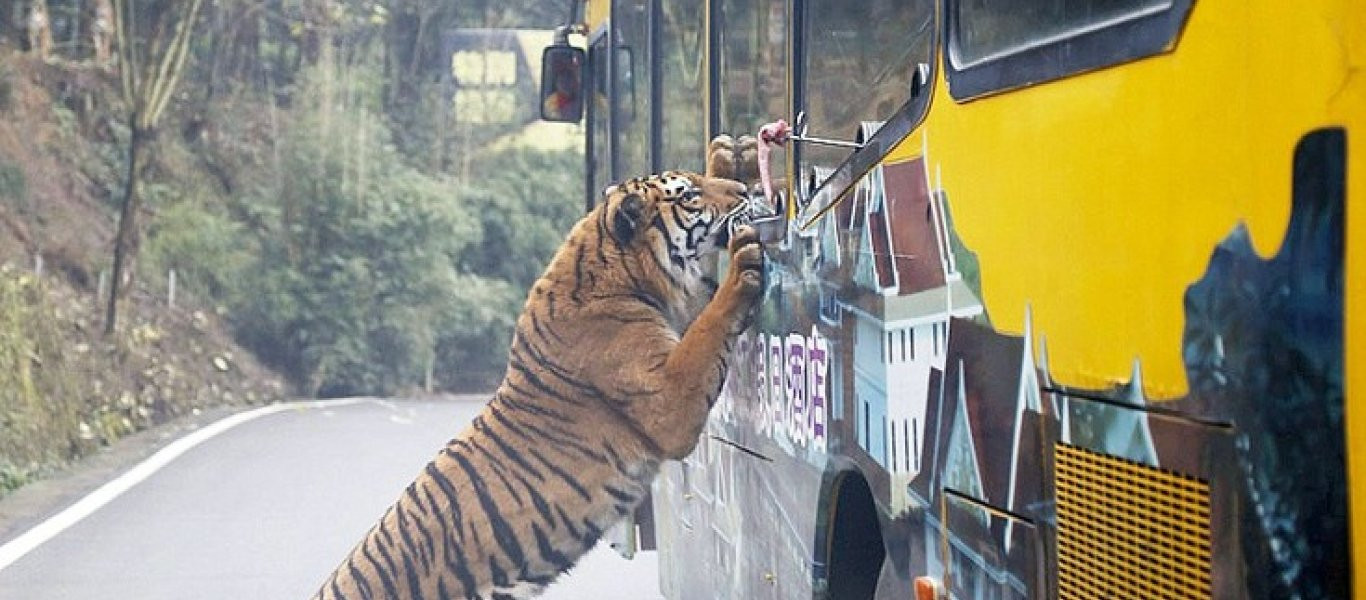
{"x": 1068, "y": 303}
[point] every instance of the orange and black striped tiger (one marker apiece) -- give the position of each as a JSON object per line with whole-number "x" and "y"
{"x": 618, "y": 355}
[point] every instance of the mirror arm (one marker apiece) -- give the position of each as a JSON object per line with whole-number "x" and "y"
{"x": 799, "y": 134}
{"x": 574, "y": 6}
{"x": 563, "y": 32}
{"x": 807, "y": 139}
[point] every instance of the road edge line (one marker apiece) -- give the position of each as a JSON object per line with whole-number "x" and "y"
{"x": 15, "y": 549}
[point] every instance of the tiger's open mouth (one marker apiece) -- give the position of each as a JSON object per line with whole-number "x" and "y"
{"x": 755, "y": 212}
{"x": 739, "y": 216}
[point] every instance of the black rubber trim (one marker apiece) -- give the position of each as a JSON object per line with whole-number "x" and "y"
{"x": 1121, "y": 42}
{"x": 871, "y": 154}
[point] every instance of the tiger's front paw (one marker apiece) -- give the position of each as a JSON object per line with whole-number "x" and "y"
{"x": 733, "y": 158}
{"x": 746, "y": 276}
{"x": 721, "y": 157}
{"x": 747, "y": 160}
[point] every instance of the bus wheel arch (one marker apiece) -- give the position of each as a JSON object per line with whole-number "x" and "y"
{"x": 850, "y": 542}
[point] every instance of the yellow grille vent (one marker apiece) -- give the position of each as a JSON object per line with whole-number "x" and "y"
{"x": 1129, "y": 531}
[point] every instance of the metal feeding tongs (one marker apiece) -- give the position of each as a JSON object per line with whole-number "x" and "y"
{"x": 767, "y": 213}
{"x": 770, "y": 216}
{"x": 757, "y": 212}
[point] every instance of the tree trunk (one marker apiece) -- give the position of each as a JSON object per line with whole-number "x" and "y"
{"x": 126, "y": 240}
{"x": 40, "y": 29}
{"x": 429, "y": 374}
{"x": 150, "y": 64}
{"x": 74, "y": 27}
{"x": 7, "y": 21}
{"x": 218, "y": 36}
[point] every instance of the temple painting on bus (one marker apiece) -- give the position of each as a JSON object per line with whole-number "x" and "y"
{"x": 966, "y": 424}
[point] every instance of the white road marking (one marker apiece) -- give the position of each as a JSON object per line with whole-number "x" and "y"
{"x": 31, "y": 539}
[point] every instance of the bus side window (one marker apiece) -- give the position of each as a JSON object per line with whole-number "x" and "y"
{"x": 753, "y": 69}
{"x": 682, "y": 60}
{"x": 631, "y": 94}
{"x": 860, "y": 61}
{"x": 996, "y": 45}
{"x": 993, "y": 28}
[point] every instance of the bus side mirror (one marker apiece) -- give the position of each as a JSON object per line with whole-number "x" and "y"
{"x": 562, "y": 83}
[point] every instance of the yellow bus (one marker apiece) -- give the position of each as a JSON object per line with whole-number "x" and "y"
{"x": 1068, "y": 299}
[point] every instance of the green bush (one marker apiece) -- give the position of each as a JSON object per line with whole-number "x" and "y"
{"x": 526, "y": 202}
{"x": 13, "y": 186}
{"x": 356, "y": 270}
{"x": 6, "y": 89}
{"x": 209, "y": 252}
{"x": 13, "y": 478}
{"x": 474, "y": 332}
{"x": 38, "y": 400}
{"x": 358, "y": 260}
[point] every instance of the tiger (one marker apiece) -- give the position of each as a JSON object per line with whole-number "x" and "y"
{"x": 618, "y": 355}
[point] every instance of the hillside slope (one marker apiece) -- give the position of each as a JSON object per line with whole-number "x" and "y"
{"x": 65, "y": 389}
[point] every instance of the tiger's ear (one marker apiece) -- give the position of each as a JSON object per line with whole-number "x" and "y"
{"x": 626, "y": 223}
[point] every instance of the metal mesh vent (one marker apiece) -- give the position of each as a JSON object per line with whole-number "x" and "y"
{"x": 1127, "y": 530}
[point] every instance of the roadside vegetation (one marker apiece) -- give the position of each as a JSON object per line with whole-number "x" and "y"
{"x": 332, "y": 228}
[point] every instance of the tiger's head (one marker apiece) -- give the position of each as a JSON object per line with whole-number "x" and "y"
{"x": 676, "y": 216}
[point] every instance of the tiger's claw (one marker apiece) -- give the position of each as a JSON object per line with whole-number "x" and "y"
{"x": 747, "y": 262}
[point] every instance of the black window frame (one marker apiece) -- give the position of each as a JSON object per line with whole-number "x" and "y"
{"x": 613, "y": 93}
{"x": 591, "y": 115}
{"x": 653, "y": 15}
{"x": 1141, "y": 36}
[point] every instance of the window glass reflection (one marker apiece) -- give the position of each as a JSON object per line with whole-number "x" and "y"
{"x": 683, "y": 68}
{"x": 631, "y": 20}
{"x": 991, "y": 28}
{"x": 753, "y": 67}
{"x": 859, "y": 57}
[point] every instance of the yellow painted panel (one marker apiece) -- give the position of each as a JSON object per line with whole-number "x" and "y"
{"x": 1349, "y": 106}
{"x": 1099, "y": 224}
{"x": 1206, "y": 146}
{"x": 596, "y": 13}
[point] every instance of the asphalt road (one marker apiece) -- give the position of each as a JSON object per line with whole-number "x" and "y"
{"x": 266, "y": 510}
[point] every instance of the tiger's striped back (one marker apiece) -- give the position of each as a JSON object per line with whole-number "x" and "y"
{"x": 617, "y": 357}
